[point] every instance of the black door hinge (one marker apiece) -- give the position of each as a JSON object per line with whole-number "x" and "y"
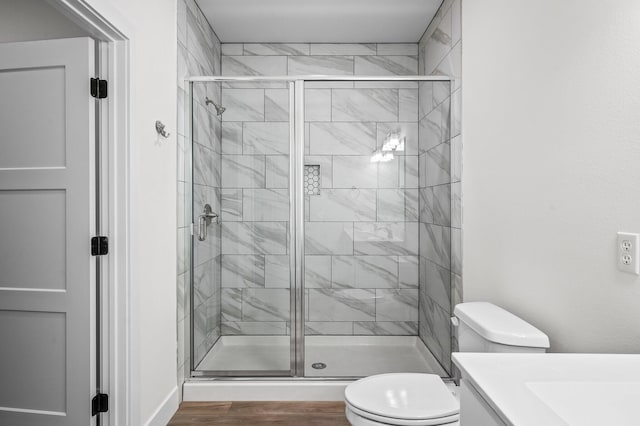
{"x": 99, "y": 246}
{"x": 99, "y": 404}
{"x": 98, "y": 88}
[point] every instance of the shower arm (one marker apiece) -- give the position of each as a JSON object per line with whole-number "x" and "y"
{"x": 219, "y": 108}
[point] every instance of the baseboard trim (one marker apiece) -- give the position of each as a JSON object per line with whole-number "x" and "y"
{"x": 166, "y": 410}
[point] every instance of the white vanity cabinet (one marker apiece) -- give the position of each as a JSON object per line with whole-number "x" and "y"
{"x": 474, "y": 410}
{"x": 502, "y": 389}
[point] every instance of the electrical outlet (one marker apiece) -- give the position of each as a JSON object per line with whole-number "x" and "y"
{"x": 627, "y": 253}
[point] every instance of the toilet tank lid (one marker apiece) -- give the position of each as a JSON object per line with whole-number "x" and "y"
{"x": 499, "y": 326}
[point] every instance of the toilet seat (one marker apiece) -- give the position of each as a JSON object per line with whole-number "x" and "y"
{"x": 407, "y": 399}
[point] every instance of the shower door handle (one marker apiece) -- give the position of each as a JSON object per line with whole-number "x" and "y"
{"x": 202, "y": 228}
{"x": 204, "y": 220}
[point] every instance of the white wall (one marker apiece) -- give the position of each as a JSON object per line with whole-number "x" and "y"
{"x": 28, "y": 20}
{"x": 551, "y": 118}
{"x": 152, "y": 27}
{"x": 153, "y": 199}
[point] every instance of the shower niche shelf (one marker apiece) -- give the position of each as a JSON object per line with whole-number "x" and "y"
{"x": 311, "y": 179}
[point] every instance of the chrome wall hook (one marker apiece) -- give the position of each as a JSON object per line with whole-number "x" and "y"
{"x": 160, "y": 129}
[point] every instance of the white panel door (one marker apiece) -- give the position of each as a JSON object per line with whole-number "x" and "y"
{"x": 47, "y": 217}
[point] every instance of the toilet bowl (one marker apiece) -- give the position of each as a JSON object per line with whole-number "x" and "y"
{"x": 416, "y": 399}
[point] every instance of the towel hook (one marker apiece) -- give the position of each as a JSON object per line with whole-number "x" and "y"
{"x": 160, "y": 129}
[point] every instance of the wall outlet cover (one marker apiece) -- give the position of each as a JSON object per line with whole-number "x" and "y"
{"x": 627, "y": 252}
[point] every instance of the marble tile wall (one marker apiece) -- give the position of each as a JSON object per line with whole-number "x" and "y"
{"x": 440, "y": 144}
{"x": 362, "y": 246}
{"x": 198, "y": 54}
{"x": 376, "y": 235}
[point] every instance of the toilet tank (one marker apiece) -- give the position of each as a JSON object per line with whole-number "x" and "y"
{"x": 485, "y": 327}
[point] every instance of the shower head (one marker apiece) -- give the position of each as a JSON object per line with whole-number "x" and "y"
{"x": 219, "y": 108}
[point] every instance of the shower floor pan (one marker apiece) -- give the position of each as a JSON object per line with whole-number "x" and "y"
{"x": 344, "y": 356}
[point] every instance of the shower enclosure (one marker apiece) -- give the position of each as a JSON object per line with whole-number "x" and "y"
{"x": 321, "y": 236}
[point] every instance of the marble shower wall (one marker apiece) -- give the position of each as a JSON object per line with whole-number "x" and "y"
{"x": 198, "y": 54}
{"x": 362, "y": 243}
{"x": 440, "y": 179}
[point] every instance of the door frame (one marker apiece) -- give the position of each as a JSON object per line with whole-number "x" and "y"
{"x": 114, "y": 34}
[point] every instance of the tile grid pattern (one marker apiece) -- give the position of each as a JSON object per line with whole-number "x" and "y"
{"x": 198, "y": 54}
{"x": 440, "y": 179}
{"x": 362, "y": 246}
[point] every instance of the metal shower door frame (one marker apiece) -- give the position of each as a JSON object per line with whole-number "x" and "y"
{"x": 296, "y": 86}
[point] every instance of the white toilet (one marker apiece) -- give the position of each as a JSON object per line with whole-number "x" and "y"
{"x": 415, "y": 399}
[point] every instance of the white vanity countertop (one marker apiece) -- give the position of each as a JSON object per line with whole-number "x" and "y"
{"x": 557, "y": 389}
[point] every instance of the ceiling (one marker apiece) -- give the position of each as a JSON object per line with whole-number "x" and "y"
{"x": 319, "y": 21}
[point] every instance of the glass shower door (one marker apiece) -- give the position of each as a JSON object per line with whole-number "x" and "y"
{"x": 322, "y": 227}
{"x": 377, "y": 227}
{"x": 242, "y": 294}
